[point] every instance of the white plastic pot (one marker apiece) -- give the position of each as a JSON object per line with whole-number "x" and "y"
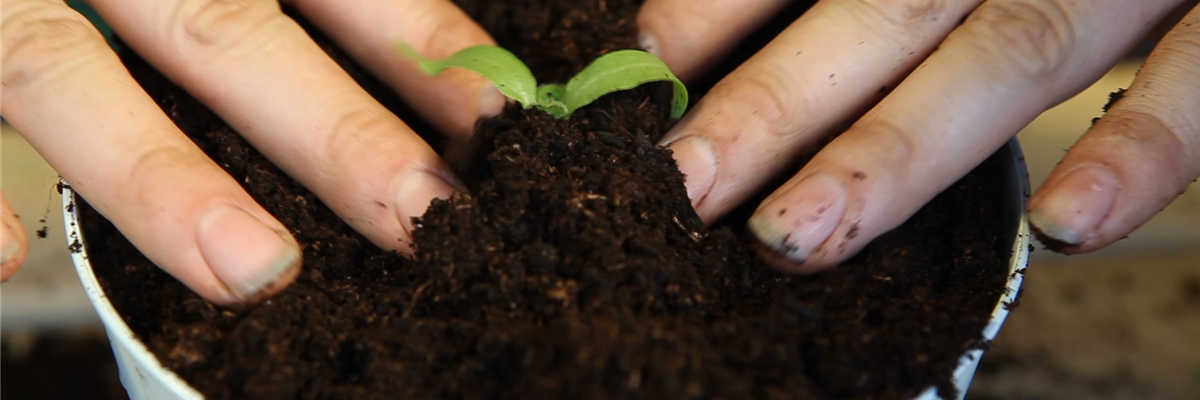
{"x": 146, "y": 379}
{"x": 141, "y": 373}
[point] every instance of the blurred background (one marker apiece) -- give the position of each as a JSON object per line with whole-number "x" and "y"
{"x": 1122, "y": 323}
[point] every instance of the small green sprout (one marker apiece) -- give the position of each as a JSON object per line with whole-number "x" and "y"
{"x": 618, "y": 70}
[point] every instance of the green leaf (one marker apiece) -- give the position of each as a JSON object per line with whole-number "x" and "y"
{"x": 511, "y": 76}
{"x": 622, "y": 70}
{"x": 619, "y": 70}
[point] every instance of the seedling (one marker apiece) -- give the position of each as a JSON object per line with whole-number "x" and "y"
{"x": 618, "y": 70}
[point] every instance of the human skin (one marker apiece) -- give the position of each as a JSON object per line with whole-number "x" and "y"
{"x": 945, "y": 83}
{"x": 954, "y": 93}
{"x": 67, "y": 93}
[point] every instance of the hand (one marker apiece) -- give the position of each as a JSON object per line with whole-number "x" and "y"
{"x": 947, "y": 83}
{"x": 69, "y": 95}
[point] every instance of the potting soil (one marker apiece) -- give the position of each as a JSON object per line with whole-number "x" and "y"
{"x": 573, "y": 268}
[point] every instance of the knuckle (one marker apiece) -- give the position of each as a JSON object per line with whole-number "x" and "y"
{"x": 903, "y": 13}
{"x": 886, "y": 142}
{"x": 155, "y": 171}
{"x": 1138, "y": 132}
{"x": 43, "y": 40}
{"x": 357, "y": 138}
{"x": 437, "y": 33}
{"x": 1035, "y": 37}
{"x": 765, "y": 98}
{"x": 221, "y": 23}
{"x": 441, "y": 40}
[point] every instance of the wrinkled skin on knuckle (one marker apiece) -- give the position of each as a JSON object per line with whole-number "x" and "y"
{"x": 888, "y": 156}
{"x": 1177, "y": 160}
{"x": 764, "y": 99}
{"x": 885, "y": 143}
{"x": 44, "y": 41}
{"x": 901, "y": 13}
{"x": 1033, "y": 39}
{"x": 152, "y": 179}
{"x": 353, "y": 138}
{"x": 222, "y": 29}
{"x": 354, "y": 164}
{"x": 438, "y": 35}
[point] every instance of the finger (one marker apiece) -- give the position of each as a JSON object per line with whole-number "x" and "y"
{"x": 690, "y": 35}
{"x": 1011, "y": 60}
{"x": 14, "y": 244}
{"x": 262, "y": 73}
{"x": 71, "y": 98}
{"x": 1138, "y": 157}
{"x": 812, "y": 78}
{"x": 369, "y": 30}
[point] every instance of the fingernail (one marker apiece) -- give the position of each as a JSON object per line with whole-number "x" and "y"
{"x": 491, "y": 101}
{"x": 415, "y": 189}
{"x": 697, "y": 160}
{"x": 649, "y": 43}
{"x": 1071, "y": 210}
{"x": 245, "y": 254}
{"x": 796, "y": 222}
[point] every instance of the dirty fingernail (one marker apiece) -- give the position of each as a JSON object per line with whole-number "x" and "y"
{"x": 697, "y": 160}
{"x": 415, "y": 189}
{"x": 795, "y": 223}
{"x": 245, "y": 254}
{"x": 649, "y": 43}
{"x": 491, "y": 101}
{"x": 1072, "y": 209}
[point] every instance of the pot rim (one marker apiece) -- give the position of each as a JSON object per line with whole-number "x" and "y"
{"x": 120, "y": 336}
{"x": 1019, "y": 190}
{"x": 124, "y": 341}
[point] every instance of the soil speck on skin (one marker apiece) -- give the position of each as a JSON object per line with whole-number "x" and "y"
{"x": 1113, "y": 98}
{"x": 572, "y": 267}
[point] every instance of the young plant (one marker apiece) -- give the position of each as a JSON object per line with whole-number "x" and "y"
{"x": 618, "y": 70}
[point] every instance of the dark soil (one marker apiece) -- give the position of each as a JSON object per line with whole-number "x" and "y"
{"x": 574, "y": 268}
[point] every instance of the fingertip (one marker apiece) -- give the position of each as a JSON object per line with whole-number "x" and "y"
{"x": 647, "y": 19}
{"x": 798, "y": 221}
{"x": 785, "y": 264}
{"x": 251, "y": 258}
{"x": 415, "y": 190}
{"x": 655, "y": 35}
{"x": 491, "y": 101}
{"x": 13, "y": 258}
{"x": 649, "y": 42}
{"x": 14, "y": 244}
{"x": 1069, "y": 210}
{"x": 696, "y": 159}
